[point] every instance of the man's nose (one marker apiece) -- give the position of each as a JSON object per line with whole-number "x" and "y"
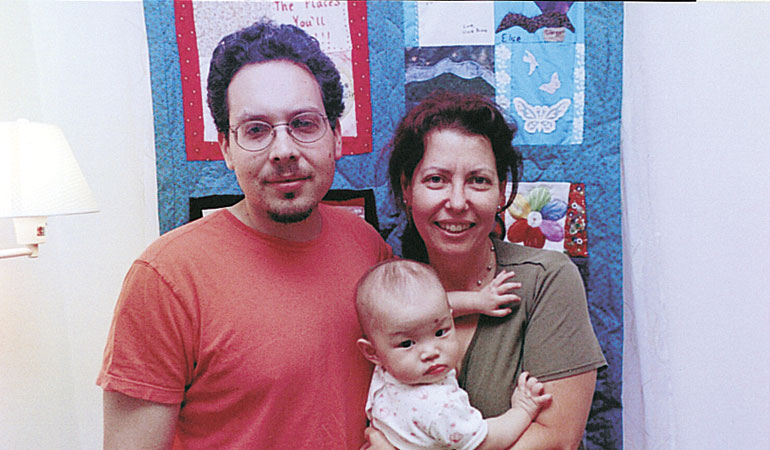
{"x": 283, "y": 146}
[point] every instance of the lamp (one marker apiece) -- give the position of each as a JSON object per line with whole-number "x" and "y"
{"x": 39, "y": 177}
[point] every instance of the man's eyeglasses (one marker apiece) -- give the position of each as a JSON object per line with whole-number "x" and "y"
{"x": 256, "y": 135}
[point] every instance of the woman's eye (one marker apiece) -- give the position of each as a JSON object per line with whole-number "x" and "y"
{"x": 434, "y": 180}
{"x": 405, "y": 344}
{"x": 480, "y": 180}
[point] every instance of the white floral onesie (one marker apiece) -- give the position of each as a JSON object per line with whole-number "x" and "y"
{"x": 424, "y": 416}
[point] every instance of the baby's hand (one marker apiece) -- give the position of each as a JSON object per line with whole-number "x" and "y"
{"x": 528, "y": 395}
{"x": 496, "y": 295}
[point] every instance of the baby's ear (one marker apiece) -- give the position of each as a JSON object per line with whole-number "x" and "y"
{"x": 370, "y": 353}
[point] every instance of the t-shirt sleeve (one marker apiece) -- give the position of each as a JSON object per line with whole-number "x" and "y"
{"x": 386, "y": 252}
{"x": 150, "y": 347}
{"x": 560, "y": 340}
{"x": 458, "y": 425}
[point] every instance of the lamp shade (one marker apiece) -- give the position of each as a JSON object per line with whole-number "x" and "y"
{"x": 38, "y": 173}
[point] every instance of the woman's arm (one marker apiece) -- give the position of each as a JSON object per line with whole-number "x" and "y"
{"x": 527, "y": 401}
{"x": 560, "y": 425}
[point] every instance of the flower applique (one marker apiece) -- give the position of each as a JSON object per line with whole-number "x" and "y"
{"x": 536, "y": 217}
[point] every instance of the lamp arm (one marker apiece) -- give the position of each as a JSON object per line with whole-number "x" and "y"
{"x": 30, "y": 250}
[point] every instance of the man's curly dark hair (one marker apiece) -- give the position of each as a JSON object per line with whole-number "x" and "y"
{"x": 266, "y": 41}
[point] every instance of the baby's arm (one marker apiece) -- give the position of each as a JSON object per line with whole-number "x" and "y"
{"x": 490, "y": 300}
{"x": 526, "y": 402}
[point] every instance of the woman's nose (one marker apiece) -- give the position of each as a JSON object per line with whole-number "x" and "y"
{"x": 457, "y": 199}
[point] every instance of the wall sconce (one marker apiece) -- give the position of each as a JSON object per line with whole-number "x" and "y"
{"x": 39, "y": 177}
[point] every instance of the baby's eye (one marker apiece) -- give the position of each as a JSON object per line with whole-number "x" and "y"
{"x": 441, "y": 332}
{"x": 406, "y": 344}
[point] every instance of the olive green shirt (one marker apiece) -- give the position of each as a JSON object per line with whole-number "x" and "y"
{"x": 549, "y": 334}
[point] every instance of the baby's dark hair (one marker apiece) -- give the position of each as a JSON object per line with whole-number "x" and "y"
{"x": 387, "y": 282}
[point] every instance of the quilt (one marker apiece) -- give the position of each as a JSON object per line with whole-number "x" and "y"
{"x": 554, "y": 67}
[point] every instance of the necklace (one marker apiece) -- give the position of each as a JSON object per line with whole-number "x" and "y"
{"x": 489, "y": 266}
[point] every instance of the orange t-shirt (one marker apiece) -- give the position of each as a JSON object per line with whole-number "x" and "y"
{"x": 254, "y": 336}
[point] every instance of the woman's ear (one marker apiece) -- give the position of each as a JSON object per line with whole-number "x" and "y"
{"x": 503, "y": 185}
{"x": 370, "y": 353}
{"x": 406, "y": 190}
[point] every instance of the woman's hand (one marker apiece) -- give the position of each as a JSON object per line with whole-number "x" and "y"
{"x": 496, "y": 297}
{"x": 375, "y": 440}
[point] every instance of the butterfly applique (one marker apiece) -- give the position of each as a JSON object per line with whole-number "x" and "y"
{"x": 553, "y": 85}
{"x": 540, "y": 118}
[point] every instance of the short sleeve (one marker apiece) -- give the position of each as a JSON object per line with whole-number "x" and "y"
{"x": 150, "y": 348}
{"x": 458, "y": 425}
{"x": 560, "y": 340}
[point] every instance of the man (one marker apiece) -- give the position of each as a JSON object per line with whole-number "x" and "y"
{"x": 238, "y": 330}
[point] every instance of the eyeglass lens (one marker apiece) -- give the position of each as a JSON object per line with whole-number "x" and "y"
{"x": 257, "y": 135}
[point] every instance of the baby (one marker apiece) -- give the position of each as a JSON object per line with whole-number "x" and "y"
{"x": 414, "y": 398}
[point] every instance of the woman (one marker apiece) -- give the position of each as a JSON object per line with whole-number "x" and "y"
{"x": 451, "y": 159}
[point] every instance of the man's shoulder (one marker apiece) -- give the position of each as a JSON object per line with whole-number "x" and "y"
{"x": 346, "y": 222}
{"x": 340, "y": 214}
{"x": 183, "y": 239}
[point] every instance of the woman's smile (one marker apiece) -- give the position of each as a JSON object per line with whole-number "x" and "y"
{"x": 454, "y": 227}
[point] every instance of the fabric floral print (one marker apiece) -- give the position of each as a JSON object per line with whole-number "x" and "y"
{"x": 536, "y": 217}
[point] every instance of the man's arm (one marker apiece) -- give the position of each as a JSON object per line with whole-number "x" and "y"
{"x": 131, "y": 423}
{"x": 561, "y": 424}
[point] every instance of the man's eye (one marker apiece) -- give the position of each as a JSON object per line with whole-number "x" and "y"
{"x": 405, "y": 344}
{"x": 301, "y": 123}
{"x": 305, "y": 124}
{"x": 256, "y": 129}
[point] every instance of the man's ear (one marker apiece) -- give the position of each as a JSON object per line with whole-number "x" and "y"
{"x": 224, "y": 146}
{"x": 368, "y": 350}
{"x": 337, "y": 131}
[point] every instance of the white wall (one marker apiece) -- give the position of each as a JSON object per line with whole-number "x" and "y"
{"x": 696, "y": 156}
{"x": 696, "y": 165}
{"x": 84, "y": 67}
